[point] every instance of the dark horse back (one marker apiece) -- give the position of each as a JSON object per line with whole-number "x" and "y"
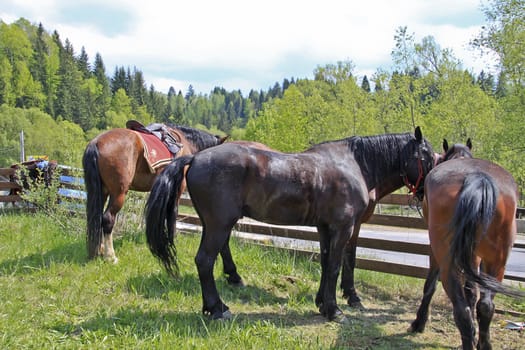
{"x": 94, "y": 205}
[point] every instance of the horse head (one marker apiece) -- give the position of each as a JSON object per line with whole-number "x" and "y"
{"x": 457, "y": 150}
{"x": 417, "y": 161}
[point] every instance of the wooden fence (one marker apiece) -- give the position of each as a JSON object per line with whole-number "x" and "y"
{"x": 71, "y": 185}
{"x": 73, "y": 188}
{"x": 385, "y": 244}
{"x": 6, "y": 186}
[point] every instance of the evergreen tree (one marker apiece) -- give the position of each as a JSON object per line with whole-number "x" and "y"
{"x": 190, "y": 94}
{"x": 83, "y": 64}
{"x": 365, "y": 85}
{"x": 286, "y": 84}
{"x": 138, "y": 91}
{"x": 39, "y": 62}
{"x": 486, "y": 82}
{"x": 103, "y": 100}
{"x": 119, "y": 80}
{"x": 157, "y": 104}
{"x": 71, "y": 104}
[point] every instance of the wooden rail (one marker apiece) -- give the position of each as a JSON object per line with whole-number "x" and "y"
{"x": 249, "y": 226}
{"x": 67, "y": 182}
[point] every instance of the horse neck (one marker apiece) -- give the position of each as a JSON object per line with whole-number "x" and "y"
{"x": 379, "y": 158}
{"x": 195, "y": 139}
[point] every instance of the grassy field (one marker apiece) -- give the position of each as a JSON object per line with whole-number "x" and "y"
{"x": 52, "y": 298}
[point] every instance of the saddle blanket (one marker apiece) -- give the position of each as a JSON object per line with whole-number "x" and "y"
{"x": 156, "y": 153}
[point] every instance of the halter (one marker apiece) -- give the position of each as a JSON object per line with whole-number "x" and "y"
{"x": 413, "y": 188}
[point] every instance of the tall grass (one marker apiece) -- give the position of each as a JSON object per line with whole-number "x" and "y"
{"x": 52, "y": 297}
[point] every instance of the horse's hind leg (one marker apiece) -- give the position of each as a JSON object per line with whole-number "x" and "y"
{"x": 229, "y": 267}
{"x": 108, "y": 221}
{"x": 212, "y": 241}
{"x": 485, "y": 306}
{"x": 418, "y": 325}
{"x": 485, "y": 312}
{"x": 462, "y": 312}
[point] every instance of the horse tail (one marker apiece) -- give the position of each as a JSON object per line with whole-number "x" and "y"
{"x": 161, "y": 212}
{"x": 474, "y": 211}
{"x": 94, "y": 204}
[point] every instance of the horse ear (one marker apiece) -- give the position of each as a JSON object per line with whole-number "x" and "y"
{"x": 418, "y": 134}
{"x": 469, "y": 144}
{"x": 445, "y": 145}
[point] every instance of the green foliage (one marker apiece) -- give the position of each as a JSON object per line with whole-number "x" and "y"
{"x": 58, "y": 139}
{"x": 283, "y": 124}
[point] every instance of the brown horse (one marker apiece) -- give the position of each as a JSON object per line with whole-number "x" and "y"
{"x": 114, "y": 163}
{"x": 470, "y": 207}
{"x": 327, "y": 186}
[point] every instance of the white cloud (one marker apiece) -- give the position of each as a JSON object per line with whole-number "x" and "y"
{"x": 170, "y": 40}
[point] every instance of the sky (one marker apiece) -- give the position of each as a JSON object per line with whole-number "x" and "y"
{"x": 245, "y": 44}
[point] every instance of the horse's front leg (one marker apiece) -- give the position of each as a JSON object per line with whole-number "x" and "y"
{"x": 418, "y": 325}
{"x": 338, "y": 236}
{"x": 108, "y": 222}
{"x": 347, "y": 277}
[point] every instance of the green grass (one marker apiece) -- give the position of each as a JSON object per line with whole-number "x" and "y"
{"x": 52, "y": 297}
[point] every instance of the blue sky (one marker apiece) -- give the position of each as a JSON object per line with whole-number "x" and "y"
{"x": 249, "y": 44}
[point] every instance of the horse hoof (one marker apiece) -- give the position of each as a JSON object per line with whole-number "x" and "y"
{"x": 356, "y": 305}
{"x": 238, "y": 284}
{"x": 339, "y": 317}
{"x": 112, "y": 259}
{"x": 226, "y": 315}
{"x": 415, "y": 327}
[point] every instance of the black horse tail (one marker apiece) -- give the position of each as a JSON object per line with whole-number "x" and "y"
{"x": 474, "y": 211}
{"x": 161, "y": 212}
{"x": 94, "y": 204}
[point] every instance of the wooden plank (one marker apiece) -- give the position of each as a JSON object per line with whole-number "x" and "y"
{"x": 11, "y": 198}
{"x": 396, "y": 199}
{"x": 520, "y": 225}
{"x": 401, "y": 221}
{"x": 392, "y": 268}
{"x": 7, "y": 171}
{"x": 394, "y": 246}
{"x": 9, "y": 185}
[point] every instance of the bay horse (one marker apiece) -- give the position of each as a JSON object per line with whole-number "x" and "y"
{"x": 326, "y": 186}
{"x": 114, "y": 163}
{"x": 470, "y": 208}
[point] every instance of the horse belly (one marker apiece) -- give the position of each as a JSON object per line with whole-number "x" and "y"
{"x": 278, "y": 207}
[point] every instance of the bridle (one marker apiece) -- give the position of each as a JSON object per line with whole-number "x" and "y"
{"x": 413, "y": 188}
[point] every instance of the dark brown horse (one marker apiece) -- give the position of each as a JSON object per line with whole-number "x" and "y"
{"x": 470, "y": 207}
{"x": 327, "y": 186}
{"x": 114, "y": 163}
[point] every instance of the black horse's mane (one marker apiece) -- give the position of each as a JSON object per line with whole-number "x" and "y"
{"x": 378, "y": 155}
{"x": 200, "y": 138}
